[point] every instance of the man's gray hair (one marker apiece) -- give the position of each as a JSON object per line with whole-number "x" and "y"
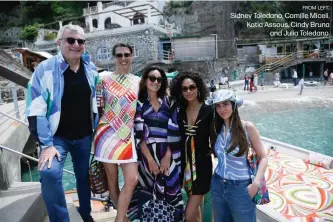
{"x": 74, "y": 28}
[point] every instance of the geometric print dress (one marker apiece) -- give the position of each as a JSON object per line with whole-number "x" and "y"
{"x": 117, "y": 96}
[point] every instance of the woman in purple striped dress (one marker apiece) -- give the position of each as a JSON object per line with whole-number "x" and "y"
{"x": 157, "y": 135}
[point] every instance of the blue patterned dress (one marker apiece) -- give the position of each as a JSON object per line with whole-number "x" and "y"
{"x": 158, "y": 129}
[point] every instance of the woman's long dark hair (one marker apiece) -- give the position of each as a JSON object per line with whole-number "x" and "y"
{"x": 237, "y": 130}
{"x": 176, "y": 87}
{"x": 143, "y": 94}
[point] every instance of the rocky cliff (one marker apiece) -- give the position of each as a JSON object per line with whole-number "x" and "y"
{"x": 204, "y": 18}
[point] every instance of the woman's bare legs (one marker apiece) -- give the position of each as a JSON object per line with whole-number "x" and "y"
{"x": 130, "y": 172}
{"x": 192, "y": 212}
{"x": 112, "y": 175}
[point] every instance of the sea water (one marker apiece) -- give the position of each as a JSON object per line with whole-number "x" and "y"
{"x": 307, "y": 122}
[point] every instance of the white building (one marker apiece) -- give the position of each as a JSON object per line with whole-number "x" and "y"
{"x": 140, "y": 24}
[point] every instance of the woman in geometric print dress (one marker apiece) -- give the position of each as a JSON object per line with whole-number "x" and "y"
{"x": 114, "y": 138}
{"x": 157, "y": 135}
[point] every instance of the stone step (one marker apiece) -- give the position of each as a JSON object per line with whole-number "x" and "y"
{"x": 97, "y": 213}
{"x": 22, "y": 202}
{"x": 73, "y": 214}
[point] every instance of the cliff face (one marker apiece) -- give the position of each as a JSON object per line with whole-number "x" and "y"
{"x": 204, "y": 18}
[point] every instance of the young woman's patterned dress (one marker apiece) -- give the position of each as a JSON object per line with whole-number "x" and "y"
{"x": 158, "y": 130}
{"x": 116, "y": 99}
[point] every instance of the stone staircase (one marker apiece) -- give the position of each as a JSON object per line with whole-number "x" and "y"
{"x": 22, "y": 202}
{"x": 293, "y": 59}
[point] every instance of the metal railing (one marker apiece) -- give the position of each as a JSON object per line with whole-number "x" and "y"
{"x": 27, "y": 156}
{"x": 290, "y": 58}
{"x": 19, "y": 153}
{"x": 94, "y": 197}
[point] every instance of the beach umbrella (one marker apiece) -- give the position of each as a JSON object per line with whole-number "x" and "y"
{"x": 171, "y": 75}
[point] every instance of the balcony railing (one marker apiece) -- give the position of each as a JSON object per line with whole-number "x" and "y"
{"x": 90, "y": 10}
{"x": 117, "y": 3}
{"x": 271, "y": 64}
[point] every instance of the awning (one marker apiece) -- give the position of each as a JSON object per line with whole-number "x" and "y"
{"x": 130, "y": 11}
{"x": 328, "y": 41}
{"x": 171, "y": 75}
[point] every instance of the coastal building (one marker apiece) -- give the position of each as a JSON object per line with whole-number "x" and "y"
{"x": 309, "y": 56}
{"x": 141, "y": 24}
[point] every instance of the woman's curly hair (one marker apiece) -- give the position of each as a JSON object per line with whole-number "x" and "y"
{"x": 176, "y": 87}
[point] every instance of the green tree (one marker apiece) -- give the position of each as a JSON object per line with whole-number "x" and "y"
{"x": 30, "y": 32}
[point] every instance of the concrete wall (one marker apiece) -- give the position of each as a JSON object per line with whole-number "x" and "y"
{"x": 145, "y": 42}
{"x": 267, "y": 51}
{"x": 13, "y": 135}
{"x": 193, "y": 48}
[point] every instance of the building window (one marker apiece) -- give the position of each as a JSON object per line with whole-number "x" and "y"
{"x": 135, "y": 51}
{"x": 288, "y": 48}
{"x": 103, "y": 53}
{"x": 138, "y": 18}
{"x": 279, "y": 49}
{"x": 95, "y": 23}
{"x": 107, "y": 23}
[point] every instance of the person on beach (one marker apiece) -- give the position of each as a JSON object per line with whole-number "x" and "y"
{"x": 252, "y": 83}
{"x": 295, "y": 77}
{"x": 246, "y": 82}
{"x": 117, "y": 95}
{"x": 255, "y": 82}
{"x": 325, "y": 77}
{"x": 194, "y": 118}
{"x": 232, "y": 186}
{"x": 62, "y": 115}
{"x": 301, "y": 85}
{"x": 212, "y": 86}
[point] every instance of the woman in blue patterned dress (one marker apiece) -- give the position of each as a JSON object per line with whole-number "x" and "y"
{"x": 158, "y": 139}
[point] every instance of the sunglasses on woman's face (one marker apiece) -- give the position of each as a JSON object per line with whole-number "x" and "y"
{"x": 153, "y": 79}
{"x": 121, "y": 55}
{"x": 191, "y": 88}
{"x": 71, "y": 41}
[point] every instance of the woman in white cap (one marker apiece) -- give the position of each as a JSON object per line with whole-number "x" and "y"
{"x": 232, "y": 187}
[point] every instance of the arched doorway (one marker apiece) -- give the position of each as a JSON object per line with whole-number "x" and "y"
{"x": 107, "y": 23}
{"x": 95, "y": 23}
{"x": 138, "y": 18}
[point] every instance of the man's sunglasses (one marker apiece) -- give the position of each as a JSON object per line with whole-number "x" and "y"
{"x": 153, "y": 79}
{"x": 120, "y": 55}
{"x": 191, "y": 88}
{"x": 71, "y": 41}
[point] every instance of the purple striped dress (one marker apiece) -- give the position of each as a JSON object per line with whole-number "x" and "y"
{"x": 158, "y": 129}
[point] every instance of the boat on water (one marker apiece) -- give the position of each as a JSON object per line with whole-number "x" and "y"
{"x": 299, "y": 191}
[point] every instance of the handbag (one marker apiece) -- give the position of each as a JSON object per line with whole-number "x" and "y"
{"x": 97, "y": 177}
{"x": 262, "y": 196}
{"x": 157, "y": 210}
